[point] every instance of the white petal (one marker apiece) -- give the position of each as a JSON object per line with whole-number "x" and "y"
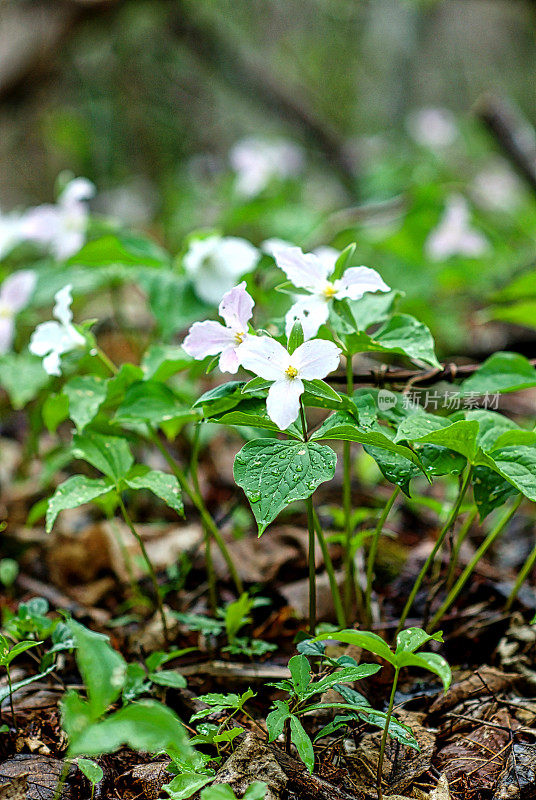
{"x": 304, "y": 270}
{"x": 316, "y": 358}
{"x": 283, "y": 401}
{"x": 41, "y": 224}
{"x": 269, "y": 246}
{"x": 62, "y": 309}
{"x": 328, "y": 256}
{"x": 51, "y": 363}
{"x": 229, "y": 361}
{"x": 311, "y": 311}
{"x": 69, "y": 240}
{"x": 236, "y": 307}
{"x": 208, "y": 339}
{"x": 7, "y": 329}
{"x": 46, "y": 337}
{"x": 236, "y": 256}
{"x": 17, "y": 289}
{"x": 356, "y": 281}
{"x": 76, "y": 191}
{"x": 264, "y": 357}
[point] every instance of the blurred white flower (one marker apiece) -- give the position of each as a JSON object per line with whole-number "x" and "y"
{"x": 15, "y": 293}
{"x": 53, "y": 339}
{"x": 269, "y": 246}
{"x": 311, "y": 271}
{"x": 61, "y": 227}
{"x": 11, "y": 233}
{"x": 210, "y": 338}
{"x": 497, "y": 188}
{"x": 214, "y": 264}
{"x": 454, "y": 236}
{"x": 268, "y": 359}
{"x": 257, "y": 161}
{"x": 432, "y": 127}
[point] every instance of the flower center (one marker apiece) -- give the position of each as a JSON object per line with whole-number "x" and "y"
{"x": 5, "y": 311}
{"x": 239, "y": 337}
{"x": 291, "y": 372}
{"x": 329, "y": 291}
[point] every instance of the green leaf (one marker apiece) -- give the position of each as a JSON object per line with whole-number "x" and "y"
{"x": 74, "y": 492}
{"x": 121, "y": 249}
{"x": 401, "y": 334}
{"x": 343, "y": 426}
{"x": 86, "y": 394}
{"x": 343, "y": 260}
{"x": 185, "y": 785}
{"x": 170, "y": 678}
{"x": 250, "y": 412}
{"x": 171, "y": 299}
{"x": 220, "y": 791}
{"x": 274, "y": 474}
{"x": 521, "y": 313}
{"x": 302, "y": 742}
{"x": 161, "y": 361}
{"x": 162, "y": 484}
{"x": 152, "y": 402}
{"x": 103, "y": 669}
{"x": 397, "y": 730}
{"x": 237, "y": 615}
{"x": 256, "y": 385}
{"x": 256, "y": 791}
{"x": 55, "y": 410}
{"x": 490, "y": 490}
{"x": 146, "y": 726}
{"x": 460, "y": 436}
{"x": 501, "y": 372}
{"x": 346, "y": 675}
{"x": 412, "y": 638}
{"x": 221, "y": 398}
{"x": 429, "y": 661}
{"x": 91, "y": 770}
{"x": 300, "y": 671}
{"x": 16, "y": 650}
{"x": 516, "y": 464}
{"x": 109, "y": 454}
{"x": 373, "y": 308}
{"x": 364, "y": 639}
{"x": 22, "y": 376}
{"x": 275, "y": 721}
{"x": 322, "y": 390}
{"x": 296, "y": 337}
{"x": 5, "y": 690}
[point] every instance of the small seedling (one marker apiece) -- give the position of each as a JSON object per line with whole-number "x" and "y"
{"x": 92, "y": 771}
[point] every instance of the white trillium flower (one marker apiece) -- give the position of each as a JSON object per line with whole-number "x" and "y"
{"x": 53, "y": 339}
{"x": 454, "y": 236}
{"x": 210, "y": 338}
{"x": 258, "y": 161}
{"x": 15, "y": 293}
{"x": 497, "y": 188}
{"x": 214, "y": 264}
{"x": 311, "y": 271}
{"x": 268, "y": 359}
{"x": 11, "y": 232}
{"x": 61, "y": 227}
{"x": 432, "y": 127}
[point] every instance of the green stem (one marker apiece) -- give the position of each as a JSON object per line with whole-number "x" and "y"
{"x": 61, "y": 780}
{"x": 430, "y": 560}
{"x": 379, "y": 773}
{"x": 350, "y": 584}
{"x": 462, "y": 580}
{"x": 527, "y": 566}
{"x": 211, "y": 576}
{"x": 335, "y": 592}
{"x": 198, "y": 502}
{"x": 312, "y": 567}
{"x": 462, "y": 535}
{"x": 374, "y": 549}
{"x": 8, "y": 670}
{"x": 149, "y": 565}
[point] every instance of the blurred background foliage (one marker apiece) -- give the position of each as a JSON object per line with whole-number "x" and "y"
{"x": 147, "y": 97}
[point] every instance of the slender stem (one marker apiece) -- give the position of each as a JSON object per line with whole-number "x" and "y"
{"x": 350, "y": 584}
{"x": 374, "y": 549}
{"x": 149, "y": 564}
{"x": 462, "y": 534}
{"x": 8, "y": 670}
{"x": 462, "y": 580}
{"x": 106, "y": 360}
{"x": 198, "y": 502}
{"x": 526, "y": 568}
{"x": 379, "y": 773}
{"x": 312, "y": 567}
{"x": 430, "y": 560}
{"x": 211, "y": 576}
{"x": 335, "y": 592}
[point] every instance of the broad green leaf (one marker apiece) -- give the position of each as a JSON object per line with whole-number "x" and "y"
{"x": 152, "y": 402}
{"x": 86, "y": 394}
{"x": 295, "y": 338}
{"x": 117, "y": 386}
{"x": 109, "y": 454}
{"x": 300, "y": 671}
{"x": 147, "y": 726}
{"x": 256, "y": 385}
{"x": 250, "y": 412}
{"x": 161, "y": 361}
{"x": 185, "y": 785}
{"x": 343, "y": 426}
{"x": 343, "y": 261}
{"x": 302, "y": 743}
{"x": 256, "y": 791}
{"x": 162, "y": 484}
{"x": 460, "y": 436}
{"x": 490, "y": 490}
{"x": 274, "y": 474}
{"x": 323, "y": 391}
{"x": 237, "y": 615}
{"x": 171, "y": 299}
{"x": 413, "y": 638}
{"x": 74, "y": 492}
{"x": 121, "y": 249}
{"x": 516, "y": 464}
{"x": 346, "y": 675}
{"x": 373, "y": 308}
{"x": 401, "y": 334}
{"x": 91, "y": 770}
{"x": 501, "y": 372}
{"x": 220, "y": 791}
{"x": 397, "y": 730}
{"x": 221, "y": 398}
{"x": 55, "y": 410}
{"x": 16, "y": 650}
{"x": 364, "y": 639}
{"x": 103, "y": 669}
{"x": 22, "y": 376}
{"x": 430, "y": 661}
{"x": 5, "y": 690}
{"x": 491, "y": 426}
{"x": 168, "y": 677}
{"x": 520, "y": 313}
{"x": 275, "y": 721}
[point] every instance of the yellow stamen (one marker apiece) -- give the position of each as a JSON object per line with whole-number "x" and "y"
{"x": 330, "y": 291}
{"x": 239, "y": 337}
{"x": 291, "y": 372}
